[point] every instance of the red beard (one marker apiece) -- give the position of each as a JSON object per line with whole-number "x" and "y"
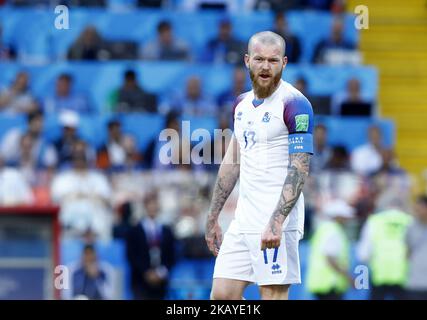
{"x": 263, "y": 92}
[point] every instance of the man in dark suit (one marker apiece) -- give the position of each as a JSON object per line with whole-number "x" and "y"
{"x": 151, "y": 253}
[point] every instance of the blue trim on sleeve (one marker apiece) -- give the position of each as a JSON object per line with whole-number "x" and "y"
{"x": 298, "y": 115}
{"x": 301, "y": 142}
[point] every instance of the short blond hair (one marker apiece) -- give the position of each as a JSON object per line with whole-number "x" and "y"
{"x": 267, "y": 38}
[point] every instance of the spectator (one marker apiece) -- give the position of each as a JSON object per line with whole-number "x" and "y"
{"x": 194, "y": 102}
{"x": 88, "y": 46}
{"x": 351, "y": 102}
{"x": 227, "y": 99}
{"x": 35, "y": 167}
{"x": 219, "y": 5}
{"x": 65, "y": 99}
{"x": 301, "y": 85}
{"x": 17, "y": 98}
{"x": 416, "y": 241}
{"x": 382, "y": 231}
{"x": 338, "y": 7}
{"x": 322, "y": 152}
{"x": 366, "y": 158}
{"x": 153, "y": 158}
{"x": 84, "y": 196}
{"x": 151, "y": 253}
{"x": 165, "y": 154}
{"x": 339, "y": 160}
{"x": 91, "y": 279}
{"x": 389, "y": 183}
{"x": 335, "y": 181}
{"x": 14, "y": 189}
{"x": 293, "y": 47}
{"x": 87, "y": 3}
{"x": 225, "y": 48}
{"x": 324, "y": 5}
{"x": 67, "y": 141}
{"x": 129, "y": 186}
{"x": 17, "y": 150}
{"x": 336, "y": 41}
{"x": 7, "y": 51}
{"x": 189, "y": 227}
{"x": 150, "y": 3}
{"x": 277, "y": 5}
{"x": 390, "y": 165}
{"x": 165, "y": 47}
{"x": 22, "y": 3}
{"x": 218, "y": 145}
{"x": 328, "y": 276}
{"x": 123, "y": 225}
{"x": 37, "y": 171}
{"x": 131, "y": 97}
{"x": 321, "y": 103}
{"x": 119, "y": 152}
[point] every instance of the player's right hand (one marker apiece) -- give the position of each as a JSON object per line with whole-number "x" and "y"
{"x": 213, "y": 237}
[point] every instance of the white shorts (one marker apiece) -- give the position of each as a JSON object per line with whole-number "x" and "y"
{"x": 240, "y": 258}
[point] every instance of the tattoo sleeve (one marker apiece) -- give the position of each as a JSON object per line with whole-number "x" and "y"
{"x": 297, "y": 173}
{"x": 228, "y": 175}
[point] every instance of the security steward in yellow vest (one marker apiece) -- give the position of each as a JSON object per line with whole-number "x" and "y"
{"x": 382, "y": 246}
{"x": 328, "y": 277}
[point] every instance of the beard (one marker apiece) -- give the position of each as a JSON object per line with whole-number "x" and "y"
{"x": 264, "y": 91}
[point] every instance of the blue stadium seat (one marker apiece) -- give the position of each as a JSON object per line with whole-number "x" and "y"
{"x": 92, "y": 129}
{"x": 207, "y": 123}
{"x": 8, "y": 122}
{"x": 352, "y": 132}
{"x": 99, "y": 80}
{"x": 144, "y": 127}
{"x": 191, "y": 279}
{"x": 301, "y": 23}
{"x": 32, "y": 30}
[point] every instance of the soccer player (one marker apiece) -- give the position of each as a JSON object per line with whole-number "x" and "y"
{"x": 270, "y": 152}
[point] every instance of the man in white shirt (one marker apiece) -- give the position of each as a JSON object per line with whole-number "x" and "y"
{"x": 84, "y": 196}
{"x": 367, "y": 159}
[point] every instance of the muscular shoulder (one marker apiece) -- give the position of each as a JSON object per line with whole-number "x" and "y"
{"x": 298, "y": 113}
{"x": 293, "y": 98}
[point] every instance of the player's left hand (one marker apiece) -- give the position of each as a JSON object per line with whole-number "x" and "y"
{"x": 272, "y": 236}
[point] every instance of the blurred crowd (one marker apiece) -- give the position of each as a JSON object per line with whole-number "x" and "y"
{"x": 117, "y": 191}
{"x": 274, "y": 5}
{"x": 223, "y": 48}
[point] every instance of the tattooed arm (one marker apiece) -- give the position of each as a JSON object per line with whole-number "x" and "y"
{"x": 227, "y": 177}
{"x": 297, "y": 173}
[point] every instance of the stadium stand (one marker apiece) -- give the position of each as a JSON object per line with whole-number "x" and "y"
{"x": 126, "y": 27}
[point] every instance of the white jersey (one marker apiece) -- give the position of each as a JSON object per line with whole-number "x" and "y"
{"x": 268, "y": 131}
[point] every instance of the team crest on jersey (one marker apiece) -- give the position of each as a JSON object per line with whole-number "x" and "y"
{"x": 239, "y": 115}
{"x": 267, "y": 117}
